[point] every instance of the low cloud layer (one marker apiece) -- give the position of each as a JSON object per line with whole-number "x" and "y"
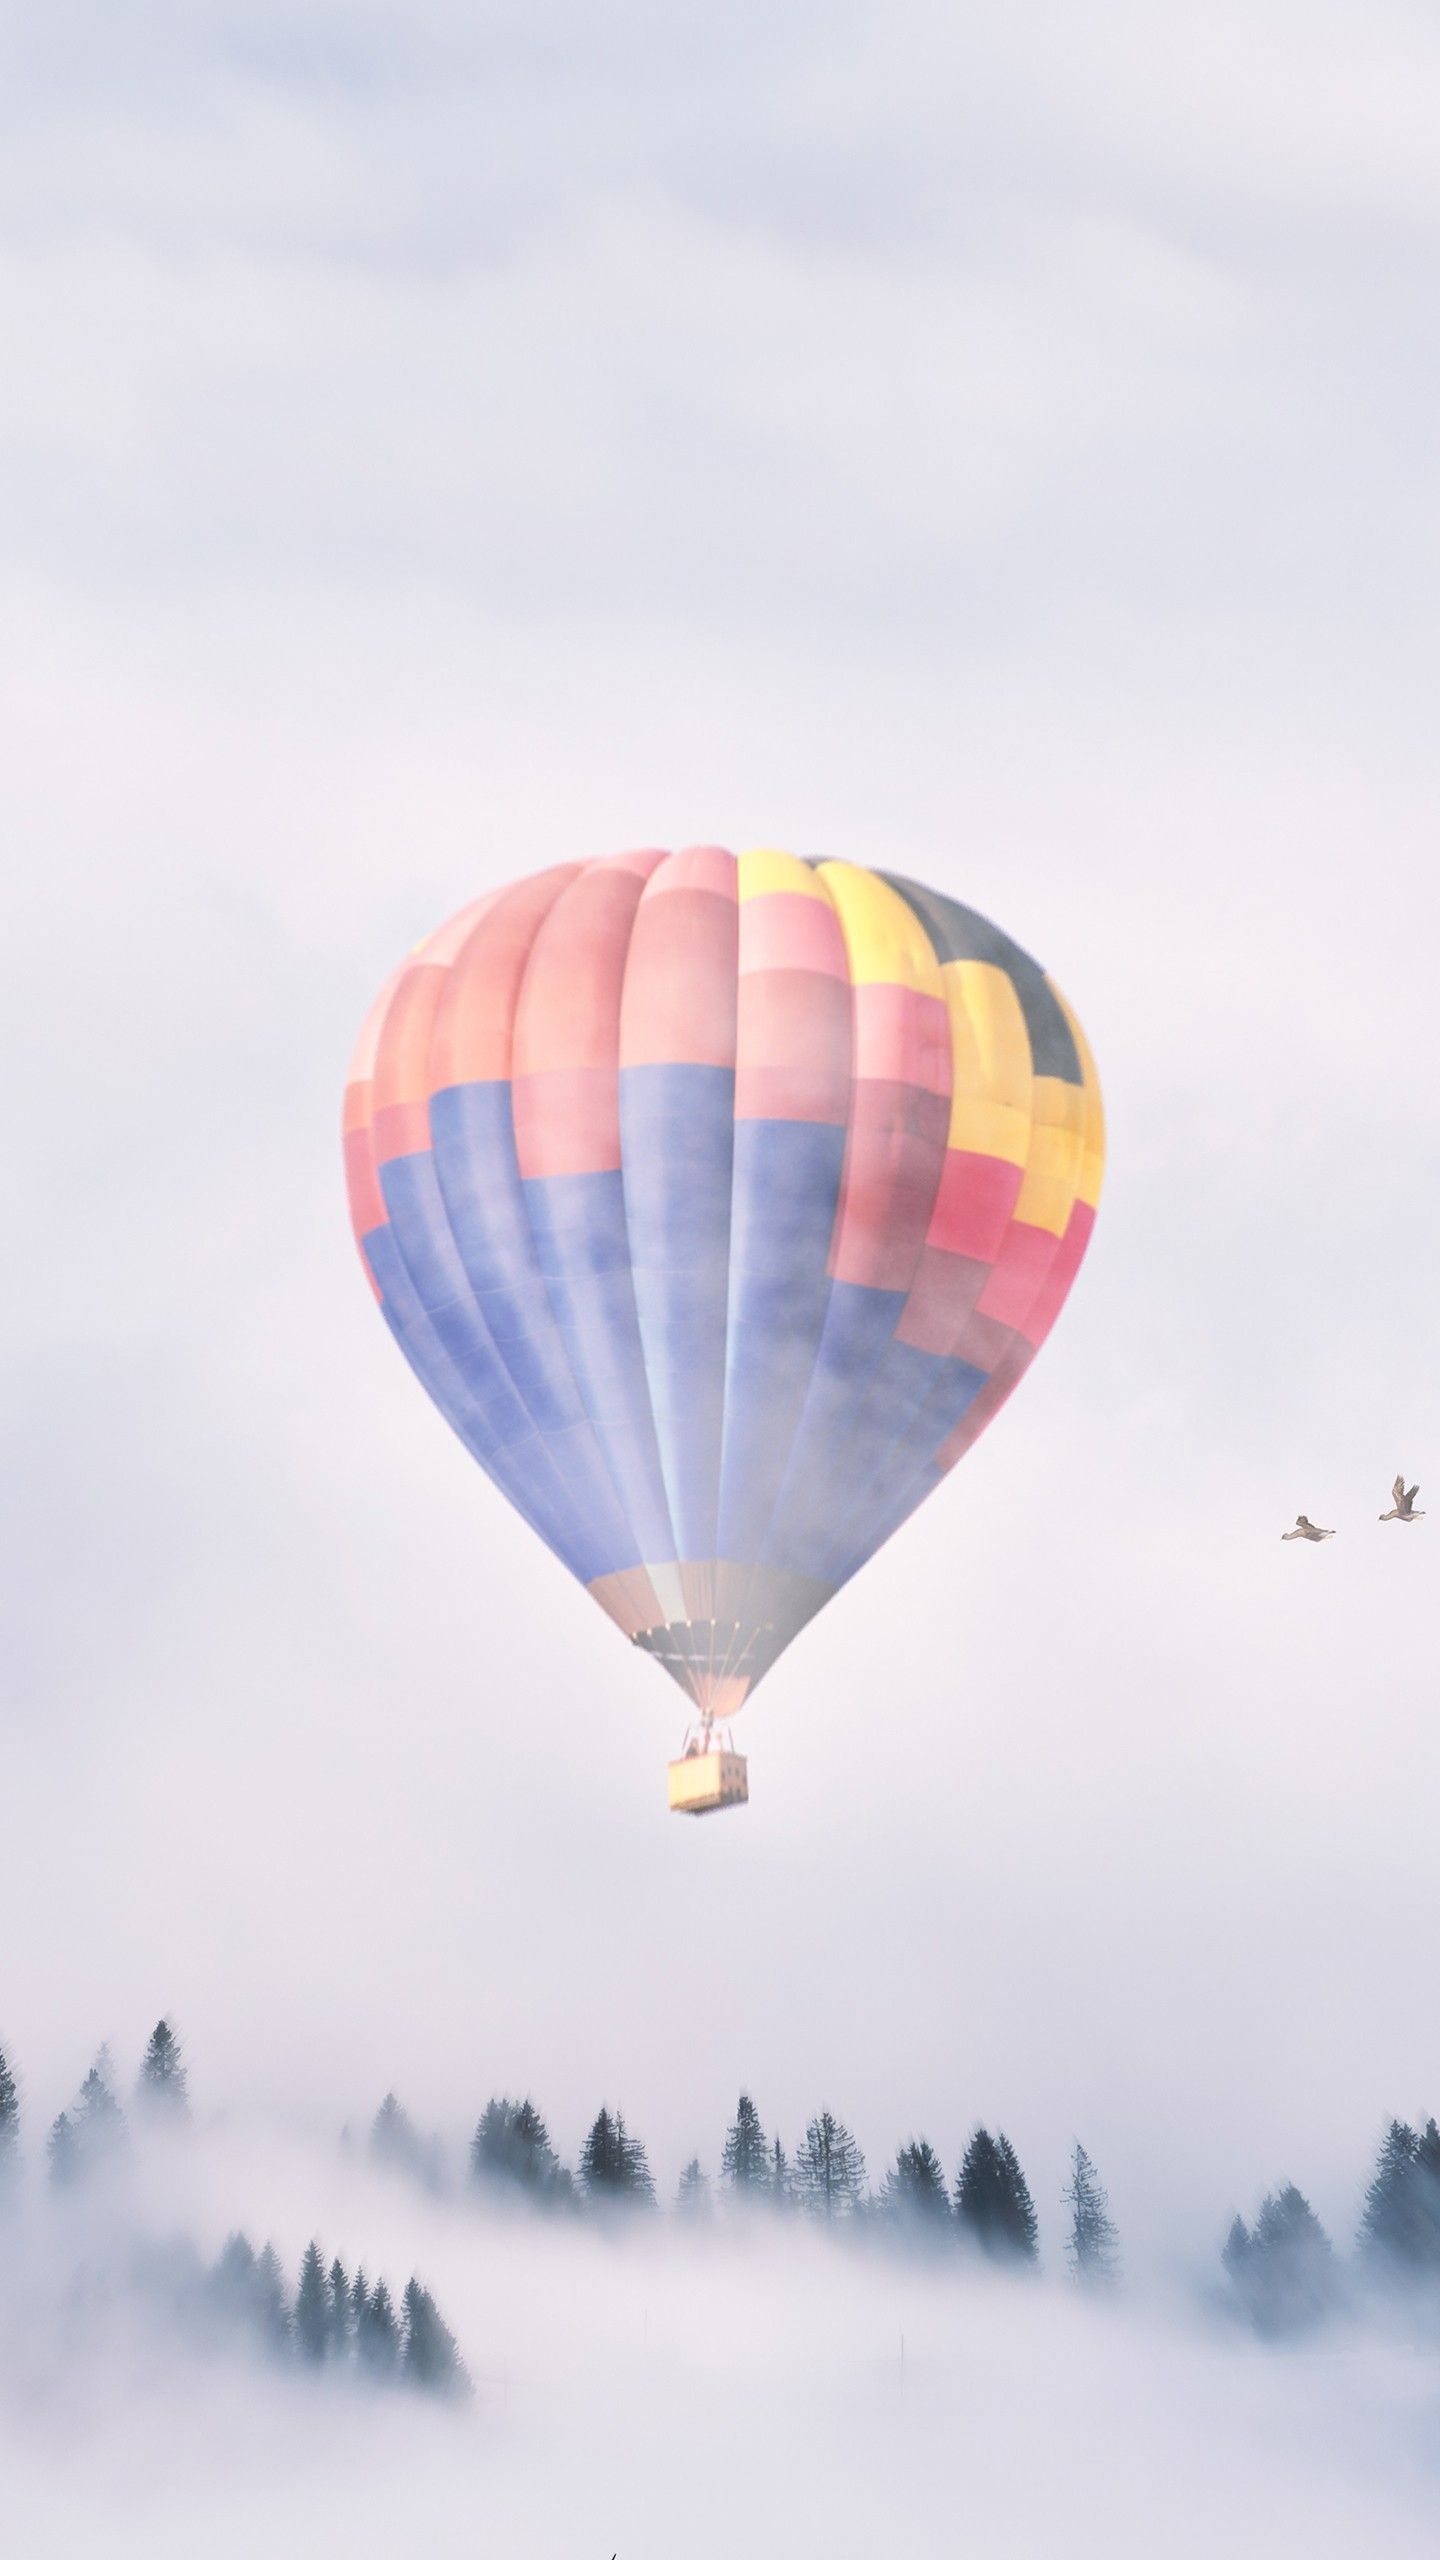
{"x": 635, "y": 2387}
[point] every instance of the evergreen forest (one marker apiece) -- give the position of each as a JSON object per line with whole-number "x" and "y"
{"x": 1279, "y": 2272}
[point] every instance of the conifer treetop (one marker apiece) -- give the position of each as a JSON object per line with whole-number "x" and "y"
{"x": 430, "y": 2358}
{"x": 9, "y": 2121}
{"x": 613, "y": 2163}
{"x": 1283, "y": 2270}
{"x": 312, "y": 2308}
{"x": 1093, "y": 2248}
{"x": 1391, "y": 2240}
{"x": 745, "y": 2159}
{"x": 994, "y": 2209}
{"x": 163, "y": 2083}
{"x": 829, "y": 2170}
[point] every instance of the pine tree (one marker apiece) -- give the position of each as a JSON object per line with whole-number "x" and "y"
{"x": 63, "y": 2153}
{"x": 9, "y": 2127}
{"x": 1020, "y": 2221}
{"x": 1283, "y": 2271}
{"x": 341, "y": 2331}
{"x": 394, "y": 2141}
{"x": 993, "y": 2206}
{"x": 512, "y": 2149}
{"x": 430, "y": 2358}
{"x": 613, "y": 2165}
{"x": 377, "y": 2336}
{"x": 914, "y": 2199}
{"x": 829, "y": 2170}
{"x": 601, "y": 2159}
{"x": 781, "y": 2188}
{"x": 692, "y": 2196}
{"x": 91, "y": 2133}
{"x": 312, "y": 2308}
{"x": 639, "y": 2184}
{"x": 1235, "y": 2255}
{"x": 1392, "y": 2224}
{"x": 1094, "y": 2244}
{"x": 980, "y": 2195}
{"x": 163, "y": 2084}
{"x": 1427, "y": 2196}
{"x": 248, "y": 2293}
{"x": 745, "y": 2160}
{"x": 97, "y": 2118}
{"x": 359, "y": 2305}
{"x": 233, "y": 2279}
{"x": 272, "y": 2312}
{"x": 230, "y": 2285}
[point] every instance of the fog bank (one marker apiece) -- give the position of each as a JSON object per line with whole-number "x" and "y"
{"x": 656, "y": 2392}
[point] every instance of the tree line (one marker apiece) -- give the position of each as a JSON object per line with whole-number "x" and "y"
{"x": 333, "y": 2320}
{"x": 94, "y": 2128}
{"x": 1284, "y": 2272}
{"x": 511, "y": 2154}
{"x": 989, "y": 2206}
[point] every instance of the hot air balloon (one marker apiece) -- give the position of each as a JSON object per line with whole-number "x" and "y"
{"x": 719, "y": 1202}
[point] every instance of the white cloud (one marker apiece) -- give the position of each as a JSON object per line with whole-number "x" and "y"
{"x": 740, "y": 2386}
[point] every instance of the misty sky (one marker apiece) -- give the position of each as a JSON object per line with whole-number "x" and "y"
{"x": 438, "y": 441}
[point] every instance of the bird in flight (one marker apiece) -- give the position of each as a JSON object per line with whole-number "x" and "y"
{"x": 1404, "y": 1502}
{"x": 1305, "y": 1529}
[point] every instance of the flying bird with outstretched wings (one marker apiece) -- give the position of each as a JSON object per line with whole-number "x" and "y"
{"x": 1403, "y": 1501}
{"x": 1304, "y": 1529}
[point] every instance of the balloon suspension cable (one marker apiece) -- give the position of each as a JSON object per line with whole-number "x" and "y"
{"x": 702, "y": 1738}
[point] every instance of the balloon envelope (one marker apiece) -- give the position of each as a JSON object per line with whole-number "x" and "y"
{"x": 719, "y": 1203}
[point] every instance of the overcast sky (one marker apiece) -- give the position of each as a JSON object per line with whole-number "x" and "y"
{"x": 435, "y": 441}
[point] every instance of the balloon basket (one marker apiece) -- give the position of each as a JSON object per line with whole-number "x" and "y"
{"x": 706, "y": 1781}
